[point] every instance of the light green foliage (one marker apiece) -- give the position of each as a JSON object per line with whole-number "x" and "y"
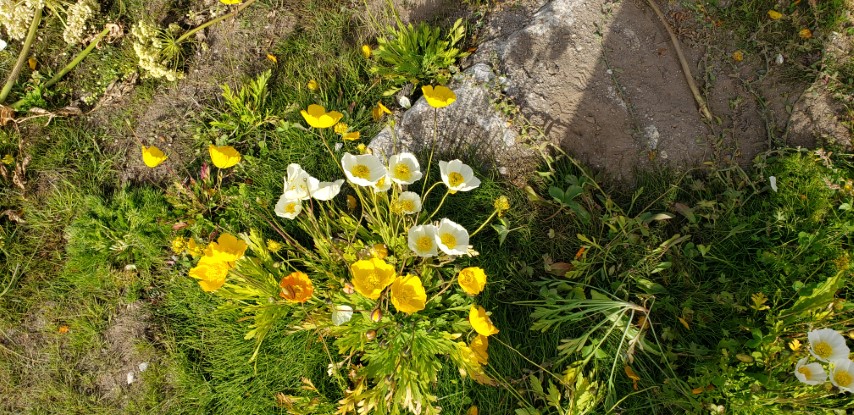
{"x": 124, "y": 232}
{"x": 709, "y": 281}
{"x": 246, "y": 110}
{"x": 419, "y": 55}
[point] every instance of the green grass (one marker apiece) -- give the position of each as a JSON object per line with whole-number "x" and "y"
{"x": 91, "y": 246}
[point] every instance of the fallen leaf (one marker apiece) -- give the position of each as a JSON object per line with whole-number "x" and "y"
{"x": 775, "y": 15}
{"x": 32, "y": 63}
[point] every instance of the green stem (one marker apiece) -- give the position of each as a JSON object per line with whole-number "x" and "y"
{"x": 432, "y": 148}
{"x": 441, "y": 202}
{"x": 22, "y": 57}
{"x": 71, "y": 65}
{"x": 214, "y": 21}
{"x": 489, "y": 219}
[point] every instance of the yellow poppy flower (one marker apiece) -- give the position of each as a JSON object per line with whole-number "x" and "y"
{"x": 438, "y": 97}
{"x": 317, "y": 117}
{"x": 152, "y": 156}
{"x": 371, "y": 277}
{"x": 472, "y": 280}
{"x": 366, "y": 51}
{"x": 312, "y": 85}
{"x": 378, "y": 111}
{"x": 472, "y": 410}
{"x": 210, "y": 273}
{"x": 481, "y": 322}
{"x": 272, "y": 58}
{"x": 774, "y": 15}
{"x": 351, "y": 136}
{"x": 226, "y": 249}
{"x": 224, "y": 156}
{"x": 296, "y": 287}
{"x": 230, "y": 2}
{"x": 738, "y": 56}
{"x": 193, "y": 248}
{"x": 479, "y": 346}
{"x": 408, "y": 295}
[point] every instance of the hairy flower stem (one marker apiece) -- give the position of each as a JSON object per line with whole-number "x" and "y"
{"x": 432, "y": 148}
{"x": 441, "y": 202}
{"x": 212, "y": 22}
{"x": 482, "y": 225}
{"x": 71, "y": 65}
{"x": 22, "y": 57}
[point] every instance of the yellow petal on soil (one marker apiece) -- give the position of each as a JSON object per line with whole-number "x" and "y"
{"x": 774, "y": 15}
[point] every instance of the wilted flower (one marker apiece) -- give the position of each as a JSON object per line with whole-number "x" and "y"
{"x": 296, "y": 287}
{"x": 472, "y": 280}
{"x": 479, "y": 346}
{"x": 178, "y": 245}
{"x": 364, "y": 169}
{"x": 404, "y": 168}
{"x": 452, "y": 238}
{"x": 340, "y": 128}
{"x": 288, "y": 208}
{"x": 341, "y": 314}
{"x": 152, "y": 156}
{"x": 312, "y": 86}
{"x": 327, "y": 190}
{"x": 317, "y": 117}
{"x": 273, "y": 246}
{"x": 501, "y": 205}
{"x": 227, "y": 248}
{"x": 371, "y": 277}
{"x": 481, "y": 322}
{"x": 438, "y": 97}
{"x": 422, "y": 240}
{"x": 458, "y": 176}
{"x": 350, "y": 136}
{"x": 827, "y": 345}
{"x": 409, "y": 202}
{"x": 224, "y": 156}
{"x": 842, "y": 375}
{"x": 811, "y": 374}
{"x": 805, "y": 33}
{"x": 738, "y": 56}
{"x": 408, "y": 295}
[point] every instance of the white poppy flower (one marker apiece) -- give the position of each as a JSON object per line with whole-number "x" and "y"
{"x": 827, "y": 345}
{"x": 327, "y": 190}
{"x": 773, "y": 181}
{"x": 422, "y": 240}
{"x": 2, "y": 44}
{"x": 458, "y": 176}
{"x": 409, "y": 202}
{"x": 288, "y": 208}
{"x": 404, "y": 169}
{"x": 842, "y": 375}
{"x": 364, "y": 169}
{"x": 341, "y": 314}
{"x": 452, "y": 238}
{"x": 811, "y": 374}
{"x": 383, "y": 184}
{"x": 299, "y": 185}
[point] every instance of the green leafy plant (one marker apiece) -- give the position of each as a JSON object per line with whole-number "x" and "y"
{"x": 246, "y": 110}
{"x": 417, "y": 54}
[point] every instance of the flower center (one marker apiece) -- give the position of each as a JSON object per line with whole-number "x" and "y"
{"x": 823, "y": 350}
{"x": 455, "y": 179}
{"x": 448, "y": 240}
{"x": 407, "y": 206}
{"x": 291, "y": 208}
{"x": 843, "y": 378}
{"x": 805, "y": 371}
{"x": 380, "y": 182}
{"x": 424, "y": 243}
{"x": 402, "y": 172}
{"x": 361, "y": 171}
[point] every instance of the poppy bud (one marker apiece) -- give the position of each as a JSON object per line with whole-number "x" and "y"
{"x": 376, "y": 315}
{"x": 371, "y": 335}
